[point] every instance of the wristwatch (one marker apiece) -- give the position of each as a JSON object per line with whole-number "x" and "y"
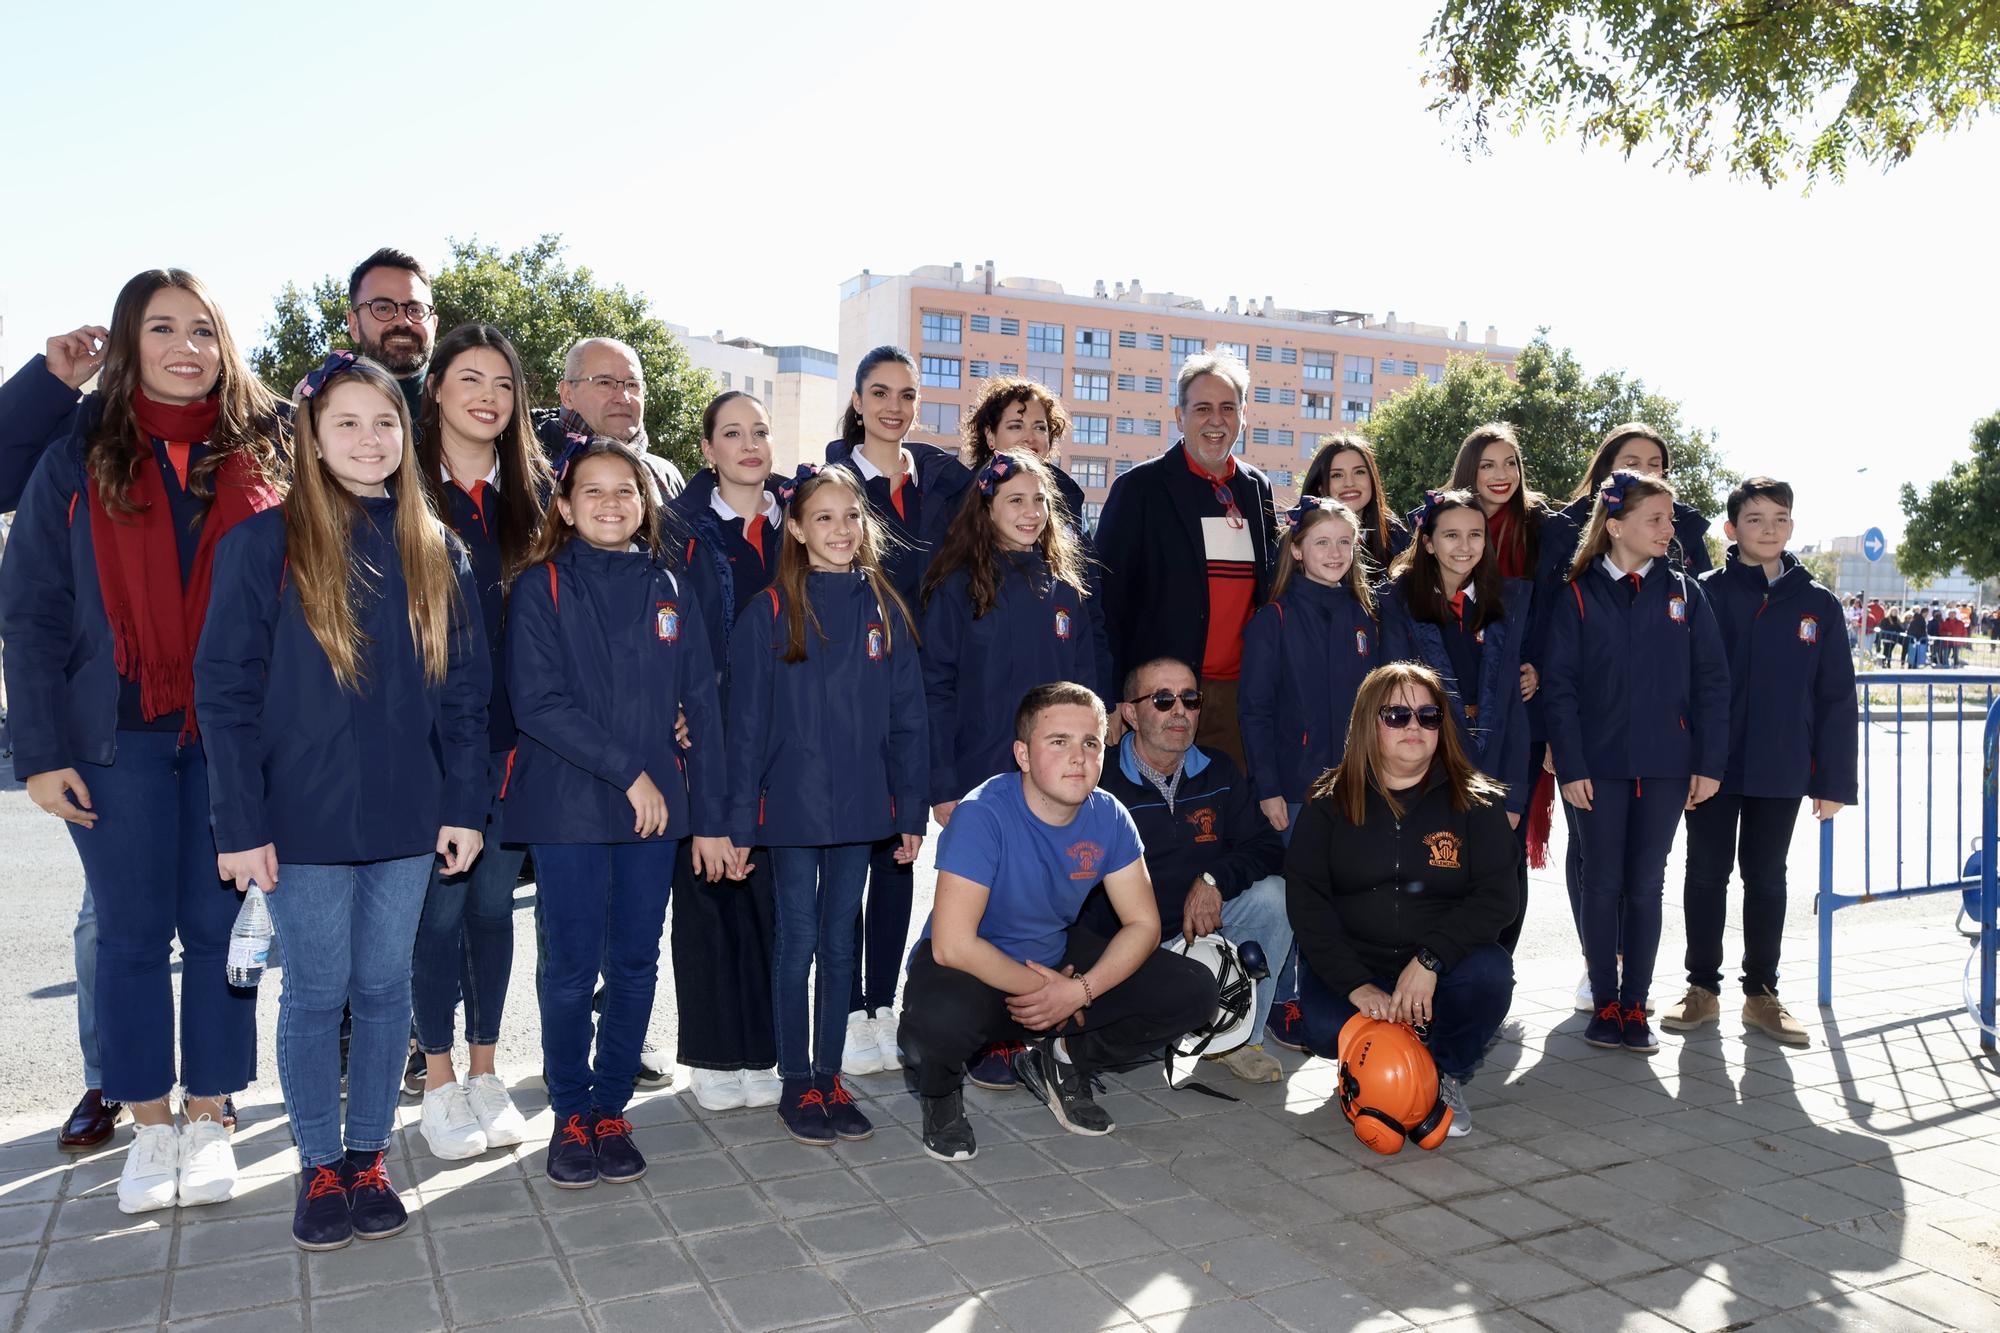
{"x": 1209, "y": 880}
{"x": 1430, "y": 961}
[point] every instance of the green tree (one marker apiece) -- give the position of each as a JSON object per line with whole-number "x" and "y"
{"x": 543, "y": 306}
{"x": 1957, "y": 520}
{"x": 1560, "y": 412}
{"x": 1760, "y": 88}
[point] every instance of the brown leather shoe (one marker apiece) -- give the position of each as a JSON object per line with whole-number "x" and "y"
{"x": 90, "y": 1124}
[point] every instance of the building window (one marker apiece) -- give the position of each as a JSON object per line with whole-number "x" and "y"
{"x": 1287, "y": 397}
{"x": 982, "y": 323}
{"x": 979, "y": 370}
{"x": 1047, "y": 373}
{"x": 1092, "y": 511}
{"x": 1433, "y": 372}
{"x": 1045, "y": 338}
{"x": 728, "y": 380}
{"x": 1354, "y": 409}
{"x": 1360, "y": 370}
{"x": 1316, "y": 406}
{"x": 1127, "y": 426}
{"x": 1093, "y": 342}
{"x": 1241, "y": 351}
{"x": 942, "y": 328}
{"x": 768, "y": 395}
{"x": 1281, "y": 476}
{"x": 1122, "y": 466}
{"x": 1282, "y": 437}
{"x": 1151, "y": 427}
{"x": 1010, "y": 328}
{"x": 1010, "y": 368}
{"x": 1260, "y": 435}
{"x": 1154, "y": 384}
{"x": 1318, "y": 366}
{"x": 1090, "y": 472}
{"x": 1092, "y": 386}
{"x": 1263, "y": 353}
{"x": 1127, "y": 338}
{"x": 940, "y": 372}
{"x": 1409, "y": 367}
{"x": 1288, "y": 356}
{"x": 1261, "y": 394}
{"x": 1308, "y": 443}
{"x": 1183, "y": 348}
{"x": 1388, "y": 365}
{"x": 1128, "y": 383}
{"x": 1155, "y": 342}
{"x": 938, "y": 418}
{"x": 1090, "y": 430}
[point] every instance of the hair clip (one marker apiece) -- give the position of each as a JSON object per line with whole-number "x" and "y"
{"x": 1296, "y": 516}
{"x": 1612, "y": 496}
{"x": 998, "y": 469}
{"x": 787, "y": 489}
{"x": 1421, "y": 516}
{"x": 335, "y": 363}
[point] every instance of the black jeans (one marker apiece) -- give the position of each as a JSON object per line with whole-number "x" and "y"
{"x": 882, "y": 928}
{"x": 722, "y": 966}
{"x": 949, "y": 1015}
{"x": 1754, "y": 832}
{"x": 1470, "y": 1004}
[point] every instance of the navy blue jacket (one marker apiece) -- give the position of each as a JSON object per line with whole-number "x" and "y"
{"x": 1155, "y": 561}
{"x": 1793, "y": 729}
{"x": 331, "y": 775}
{"x": 1497, "y": 741}
{"x": 976, "y": 671}
{"x": 1304, "y": 658}
{"x": 603, "y": 649}
{"x": 833, "y": 749}
{"x": 1214, "y": 827}
{"x": 35, "y": 410}
{"x": 941, "y": 483}
{"x": 1637, "y": 688}
{"x": 722, "y": 568}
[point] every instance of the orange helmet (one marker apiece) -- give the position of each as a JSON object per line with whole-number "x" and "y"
{"x": 1389, "y": 1086}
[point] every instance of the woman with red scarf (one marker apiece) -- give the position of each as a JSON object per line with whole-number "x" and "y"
{"x": 103, "y": 593}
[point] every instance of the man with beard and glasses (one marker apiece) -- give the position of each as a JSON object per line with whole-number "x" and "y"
{"x": 603, "y": 392}
{"x": 390, "y": 318}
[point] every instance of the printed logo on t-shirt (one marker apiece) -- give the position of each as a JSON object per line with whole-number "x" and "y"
{"x": 1204, "y": 823}
{"x": 877, "y": 642}
{"x": 667, "y": 622}
{"x": 1677, "y": 610}
{"x": 1808, "y": 629}
{"x": 1086, "y": 856}
{"x": 1361, "y": 643}
{"x": 1062, "y": 623}
{"x": 1444, "y": 849}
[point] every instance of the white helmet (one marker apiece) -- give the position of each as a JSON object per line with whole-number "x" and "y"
{"x": 1236, "y": 978}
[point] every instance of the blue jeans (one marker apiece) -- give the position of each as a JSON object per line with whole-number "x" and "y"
{"x": 84, "y": 946}
{"x": 1626, "y": 835}
{"x": 465, "y": 947}
{"x": 818, "y": 892}
{"x": 150, "y": 865}
{"x": 601, "y": 907}
{"x": 1468, "y": 1007}
{"x": 1258, "y": 913}
{"x": 348, "y": 930}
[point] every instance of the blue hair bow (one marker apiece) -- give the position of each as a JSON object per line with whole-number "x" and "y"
{"x": 1296, "y": 516}
{"x": 787, "y": 489}
{"x": 1420, "y": 517}
{"x": 315, "y": 379}
{"x": 998, "y": 469}
{"x": 1612, "y": 496}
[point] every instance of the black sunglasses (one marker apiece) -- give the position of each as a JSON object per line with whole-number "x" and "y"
{"x": 1397, "y": 716}
{"x": 1164, "y": 700}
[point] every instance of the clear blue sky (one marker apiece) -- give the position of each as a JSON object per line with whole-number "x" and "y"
{"x": 736, "y": 164}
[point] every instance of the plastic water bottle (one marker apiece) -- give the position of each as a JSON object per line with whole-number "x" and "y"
{"x": 250, "y": 940}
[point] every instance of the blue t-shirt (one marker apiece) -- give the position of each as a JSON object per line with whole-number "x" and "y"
{"x": 1036, "y": 874}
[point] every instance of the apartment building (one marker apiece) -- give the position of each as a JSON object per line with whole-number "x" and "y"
{"x": 1112, "y": 356}
{"x": 799, "y": 386}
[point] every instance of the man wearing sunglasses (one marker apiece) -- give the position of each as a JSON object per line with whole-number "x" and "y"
{"x": 1213, "y": 857}
{"x": 1188, "y": 549}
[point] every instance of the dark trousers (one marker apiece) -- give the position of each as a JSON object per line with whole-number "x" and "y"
{"x": 722, "y": 966}
{"x": 882, "y": 928}
{"x": 1755, "y": 833}
{"x": 949, "y": 1015}
{"x": 1627, "y": 834}
{"x": 1471, "y": 1002}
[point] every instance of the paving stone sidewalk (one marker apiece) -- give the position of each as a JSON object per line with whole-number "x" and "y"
{"x": 1724, "y": 1184}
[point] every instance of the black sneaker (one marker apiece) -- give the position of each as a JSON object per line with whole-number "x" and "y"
{"x": 1063, "y": 1088}
{"x": 843, "y": 1117}
{"x": 414, "y": 1071}
{"x": 1287, "y": 1025}
{"x": 802, "y": 1110}
{"x": 319, "y": 1218}
{"x": 572, "y": 1160}
{"x": 947, "y": 1133}
{"x": 993, "y": 1067}
{"x": 618, "y": 1158}
{"x": 1637, "y": 1036}
{"x": 1606, "y": 1029}
{"x": 373, "y": 1208}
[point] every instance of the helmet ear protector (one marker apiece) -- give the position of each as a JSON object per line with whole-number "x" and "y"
{"x": 1389, "y": 1086}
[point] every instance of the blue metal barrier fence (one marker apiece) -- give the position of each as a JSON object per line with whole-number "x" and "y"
{"x": 1916, "y": 708}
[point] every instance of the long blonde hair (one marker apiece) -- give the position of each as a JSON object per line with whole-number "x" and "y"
{"x": 319, "y": 540}
{"x": 1312, "y": 511}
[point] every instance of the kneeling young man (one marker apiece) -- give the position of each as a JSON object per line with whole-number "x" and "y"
{"x": 1002, "y": 958}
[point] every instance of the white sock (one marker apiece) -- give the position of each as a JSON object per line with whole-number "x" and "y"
{"x": 1062, "y": 1050}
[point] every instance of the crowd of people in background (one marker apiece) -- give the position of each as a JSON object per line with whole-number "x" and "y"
{"x": 366, "y": 649}
{"x": 1941, "y": 635}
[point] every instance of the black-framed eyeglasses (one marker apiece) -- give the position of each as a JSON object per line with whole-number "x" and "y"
{"x": 1164, "y": 700}
{"x": 385, "y": 310}
{"x": 612, "y": 384}
{"x": 1397, "y": 716}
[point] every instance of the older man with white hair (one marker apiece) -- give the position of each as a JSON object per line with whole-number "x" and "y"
{"x": 603, "y": 392}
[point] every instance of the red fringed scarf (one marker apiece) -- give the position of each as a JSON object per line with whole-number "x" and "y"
{"x": 1503, "y": 540}
{"x": 154, "y": 621}
{"x": 1541, "y": 816}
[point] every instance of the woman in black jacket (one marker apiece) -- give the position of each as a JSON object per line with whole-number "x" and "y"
{"x": 1399, "y": 880}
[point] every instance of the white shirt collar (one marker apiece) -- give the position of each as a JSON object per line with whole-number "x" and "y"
{"x": 772, "y": 514}
{"x": 869, "y": 471}
{"x": 492, "y": 478}
{"x": 1605, "y": 563}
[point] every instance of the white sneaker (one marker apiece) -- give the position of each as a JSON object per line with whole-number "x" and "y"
{"x": 208, "y": 1163}
{"x": 151, "y": 1176}
{"x": 494, "y": 1109}
{"x": 1454, "y": 1096}
{"x": 716, "y": 1089}
{"x": 1586, "y": 1000}
{"x": 861, "y": 1055}
{"x": 761, "y": 1087}
{"x": 450, "y": 1126}
{"x": 885, "y": 1039}
{"x": 654, "y": 1066}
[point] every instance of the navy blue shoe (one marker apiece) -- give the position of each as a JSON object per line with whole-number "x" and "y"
{"x": 993, "y": 1067}
{"x": 572, "y": 1161}
{"x": 319, "y": 1219}
{"x": 618, "y": 1158}
{"x": 843, "y": 1117}
{"x": 802, "y": 1109}
{"x": 1638, "y": 1033}
{"x": 1287, "y": 1025}
{"x": 372, "y": 1205}
{"x": 1606, "y": 1029}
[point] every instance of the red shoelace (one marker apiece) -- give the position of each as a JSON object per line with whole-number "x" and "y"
{"x": 1615, "y": 1013}
{"x": 1288, "y": 1013}
{"x": 614, "y": 1125}
{"x": 574, "y": 1132}
{"x": 1636, "y": 1014}
{"x": 372, "y": 1176}
{"x": 325, "y": 1180}
{"x": 840, "y": 1093}
{"x": 812, "y": 1097}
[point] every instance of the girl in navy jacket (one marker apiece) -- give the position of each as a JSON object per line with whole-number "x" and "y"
{"x": 1006, "y": 608}
{"x": 108, "y": 579}
{"x": 604, "y": 650}
{"x": 342, "y": 684}
{"x": 1638, "y": 714}
{"x": 730, "y": 528}
{"x": 1447, "y": 607}
{"x": 827, "y": 758}
{"x": 1305, "y": 654}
